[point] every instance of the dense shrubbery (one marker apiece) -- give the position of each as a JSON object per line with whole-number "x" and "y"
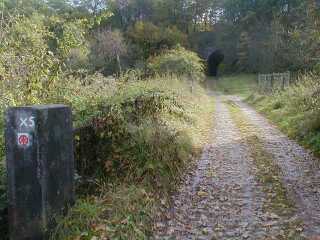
{"x": 177, "y": 61}
{"x": 127, "y": 122}
{"x": 138, "y": 133}
{"x": 27, "y": 68}
{"x": 151, "y": 38}
{"x": 142, "y": 133}
{"x": 132, "y": 130}
{"x": 125, "y": 130}
{"x": 296, "y": 110}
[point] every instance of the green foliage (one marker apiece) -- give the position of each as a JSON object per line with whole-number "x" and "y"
{"x": 296, "y": 110}
{"x": 146, "y": 35}
{"x": 120, "y": 214}
{"x": 178, "y": 61}
{"x": 73, "y": 35}
{"x": 82, "y": 216}
{"x": 27, "y": 67}
{"x": 68, "y": 41}
{"x": 142, "y": 132}
{"x": 108, "y": 47}
{"x": 172, "y": 36}
{"x": 151, "y": 38}
{"x": 128, "y": 128}
{"x": 27, "y": 8}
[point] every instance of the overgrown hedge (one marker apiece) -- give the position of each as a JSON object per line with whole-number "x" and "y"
{"x": 123, "y": 139}
{"x": 140, "y": 140}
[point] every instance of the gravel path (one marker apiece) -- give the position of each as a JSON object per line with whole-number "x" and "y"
{"x": 300, "y": 168}
{"x": 221, "y": 197}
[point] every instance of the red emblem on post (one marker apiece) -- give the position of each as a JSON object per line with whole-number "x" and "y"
{"x": 24, "y": 139}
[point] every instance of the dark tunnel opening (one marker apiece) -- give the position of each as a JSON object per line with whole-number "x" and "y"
{"x": 213, "y": 61}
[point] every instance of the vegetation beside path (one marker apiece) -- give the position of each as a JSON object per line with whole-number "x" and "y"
{"x": 296, "y": 110}
{"x": 153, "y": 153}
{"x": 136, "y": 130}
{"x": 141, "y": 136}
{"x": 138, "y": 120}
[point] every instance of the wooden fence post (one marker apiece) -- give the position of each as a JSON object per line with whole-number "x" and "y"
{"x": 272, "y": 81}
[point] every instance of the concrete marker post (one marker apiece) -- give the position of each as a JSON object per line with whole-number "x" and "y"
{"x": 40, "y": 167}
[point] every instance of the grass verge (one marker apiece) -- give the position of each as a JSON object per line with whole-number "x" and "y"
{"x": 296, "y": 110}
{"x": 241, "y": 85}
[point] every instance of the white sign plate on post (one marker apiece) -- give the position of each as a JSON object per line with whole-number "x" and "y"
{"x": 24, "y": 140}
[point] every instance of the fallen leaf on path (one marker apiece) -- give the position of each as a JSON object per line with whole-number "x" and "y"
{"x": 202, "y": 194}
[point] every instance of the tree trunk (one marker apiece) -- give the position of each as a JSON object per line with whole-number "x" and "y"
{"x": 119, "y": 64}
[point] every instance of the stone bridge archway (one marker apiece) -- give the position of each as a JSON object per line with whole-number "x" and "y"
{"x": 213, "y": 61}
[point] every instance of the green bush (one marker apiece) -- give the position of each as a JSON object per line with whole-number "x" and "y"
{"x": 178, "y": 61}
{"x": 151, "y": 38}
{"x": 129, "y": 137}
